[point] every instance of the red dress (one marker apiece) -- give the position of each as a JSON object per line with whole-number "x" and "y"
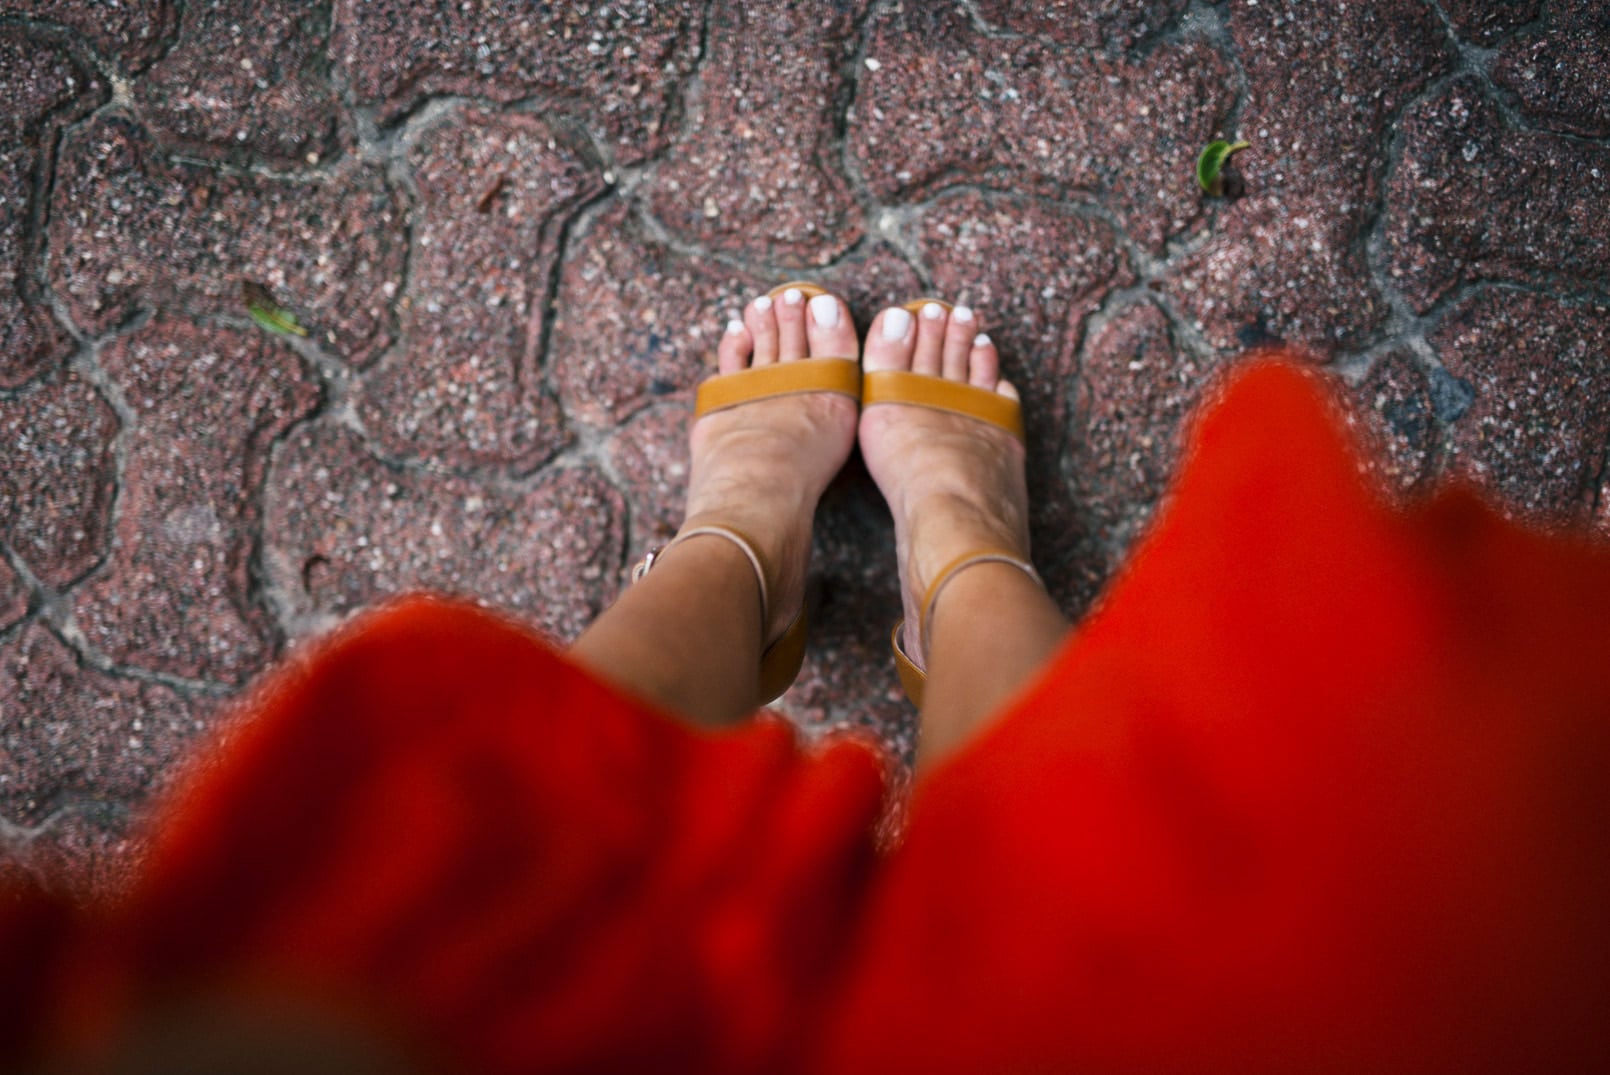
{"x": 1318, "y": 784}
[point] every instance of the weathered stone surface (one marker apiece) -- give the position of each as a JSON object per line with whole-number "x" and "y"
{"x": 245, "y": 82}
{"x": 1483, "y": 22}
{"x": 42, "y": 90}
{"x": 343, "y": 530}
{"x": 1474, "y": 201}
{"x": 757, "y": 172}
{"x": 496, "y": 193}
{"x": 57, "y": 475}
{"x": 1400, "y": 416}
{"x": 87, "y": 851}
{"x": 1324, "y": 83}
{"x": 131, "y": 229}
{"x": 648, "y": 457}
{"x": 1110, "y": 24}
{"x": 13, "y": 596}
{"x": 134, "y": 32}
{"x": 1135, "y": 391}
{"x": 1560, "y": 74}
{"x": 635, "y": 321}
{"x": 617, "y": 64}
{"x": 1537, "y": 429}
{"x": 175, "y": 595}
{"x": 940, "y": 105}
{"x": 69, "y": 732}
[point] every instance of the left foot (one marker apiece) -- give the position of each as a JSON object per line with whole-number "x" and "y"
{"x": 761, "y": 467}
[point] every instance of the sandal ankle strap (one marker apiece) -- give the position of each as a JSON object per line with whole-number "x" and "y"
{"x": 956, "y": 567}
{"x": 743, "y": 541}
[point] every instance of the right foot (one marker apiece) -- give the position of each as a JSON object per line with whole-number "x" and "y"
{"x": 954, "y": 484}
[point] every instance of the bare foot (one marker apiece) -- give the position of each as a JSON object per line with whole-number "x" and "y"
{"x": 761, "y": 467}
{"x": 954, "y": 484}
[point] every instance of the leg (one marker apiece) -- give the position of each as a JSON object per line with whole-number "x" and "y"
{"x": 689, "y": 636}
{"x": 956, "y": 485}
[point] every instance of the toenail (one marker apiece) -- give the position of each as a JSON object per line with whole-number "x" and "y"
{"x": 896, "y": 323}
{"x": 792, "y": 296}
{"x": 933, "y": 311}
{"x": 763, "y": 303}
{"x": 962, "y": 313}
{"x": 734, "y": 327}
{"x": 982, "y": 340}
{"x": 825, "y": 309}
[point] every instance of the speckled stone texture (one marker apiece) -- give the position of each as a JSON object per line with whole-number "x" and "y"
{"x": 1560, "y": 74}
{"x": 70, "y": 733}
{"x": 758, "y": 173}
{"x": 1287, "y": 260}
{"x": 1476, "y": 202}
{"x": 940, "y": 104}
{"x": 466, "y": 388}
{"x": 616, "y": 64}
{"x": 174, "y": 595}
{"x": 57, "y": 476}
{"x": 345, "y": 530}
{"x": 1538, "y": 427}
{"x": 244, "y": 83}
{"x": 42, "y": 89}
{"x": 514, "y": 233}
{"x": 131, "y": 229}
{"x": 131, "y": 32}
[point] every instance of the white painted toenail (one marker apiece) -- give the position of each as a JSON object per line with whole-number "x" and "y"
{"x": 734, "y": 327}
{"x": 982, "y": 340}
{"x": 763, "y": 303}
{"x": 793, "y": 296}
{"x": 962, "y": 313}
{"x": 896, "y": 323}
{"x": 825, "y": 309}
{"x": 933, "y": 311}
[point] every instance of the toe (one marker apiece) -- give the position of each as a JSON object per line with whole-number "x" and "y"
{"x": 732, "y": 353}
{"x": 958, "y": 343}
{"x": 829, "y": 329}
{"x": 984, "y": 364}
{"x": 790, "y": 310}
{"x": 1007, "y": 389}
{"x": 890, "y": 341}
{"x": 761, "y": 318}
{"x": 931, "y": 321}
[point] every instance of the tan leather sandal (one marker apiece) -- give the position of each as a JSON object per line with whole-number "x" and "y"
{"x": 783, "y": 656}
{"x": 925, "y": 390}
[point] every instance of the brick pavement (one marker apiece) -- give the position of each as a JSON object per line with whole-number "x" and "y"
{"x": 514, "y": 237}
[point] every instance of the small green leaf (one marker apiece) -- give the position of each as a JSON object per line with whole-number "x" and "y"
{"x": 1211, "y": 162}
{"x": 268, "y": 313}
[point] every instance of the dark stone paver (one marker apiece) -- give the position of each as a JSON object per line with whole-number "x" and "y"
{"x": 1287, "y": 260}
{"x": 42, "y": 89}
{"x": 1560, "y": 75}
{"x": 57, "y": 476}
{"x": 757, "y": 173}
{"x": 13, "y": 596}
{"x": 616, "y": 63}
{"x": 1474, "y": 201}
{"x": 940, "y": 104}
{"x": 174, "y": 594}
{"x": 329, "y": 249}
{"x": 69, "y": 732}
{"x": 635, "y": 320}
{"x": 244, "y": 83}
{"x": 133, "y": 32}
{"x": 496, "y": 193}
{"x": 1538, "y": 427}
{"x": 515, "y": 233}
{"x": 344, "y": 530}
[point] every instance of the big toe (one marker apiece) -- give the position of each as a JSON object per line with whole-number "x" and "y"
{"x": 828, "y": 328}
{"x": 891, "y": 341}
